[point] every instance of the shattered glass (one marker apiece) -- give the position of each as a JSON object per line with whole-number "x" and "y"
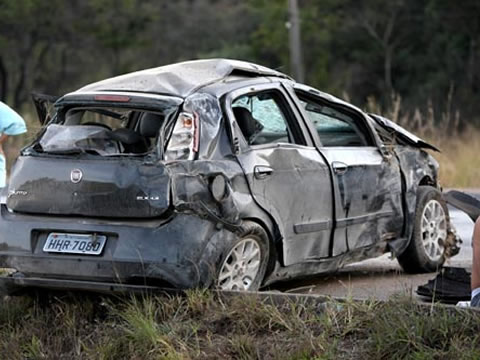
{"x": 79, "y": 138}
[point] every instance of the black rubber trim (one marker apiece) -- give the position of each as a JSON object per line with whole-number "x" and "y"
{"x": 312, "y": 227}
{"x": 362, "y": 218}
{"x": 17, "y": 283}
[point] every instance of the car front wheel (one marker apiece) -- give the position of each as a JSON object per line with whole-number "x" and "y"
{"x": 426, "y": 251}
{"x": 244, "y": 263}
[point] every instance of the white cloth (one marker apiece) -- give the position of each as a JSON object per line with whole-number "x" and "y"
{"x": 10, "y": 124}
{"x": 475, "y": 292}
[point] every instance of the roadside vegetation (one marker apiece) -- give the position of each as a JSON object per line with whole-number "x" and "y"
{"x": 457, "y": 140}
{"x": 459, "y": 160}
{"x": 201, "y": 325}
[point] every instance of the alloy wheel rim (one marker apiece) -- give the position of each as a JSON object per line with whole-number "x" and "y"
{"x": 434, "y": 230}
{"x": 241, "y": 266}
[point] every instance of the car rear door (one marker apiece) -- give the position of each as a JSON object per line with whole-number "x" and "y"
{"x": 287, "y": 176}
{"x": 367, "y": 181}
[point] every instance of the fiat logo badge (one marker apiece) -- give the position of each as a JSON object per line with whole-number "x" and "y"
{"x": 76, "y": 176}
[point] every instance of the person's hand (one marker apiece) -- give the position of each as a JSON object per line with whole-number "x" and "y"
{"x": 3, "y": 138}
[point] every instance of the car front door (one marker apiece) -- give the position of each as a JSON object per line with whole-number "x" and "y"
{"x": 287, "y": 176}
{"x": 368, "y": 186}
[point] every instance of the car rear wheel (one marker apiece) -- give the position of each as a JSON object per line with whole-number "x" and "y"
{"x": 244, "y": 264}
{"x": 426, "y": 251}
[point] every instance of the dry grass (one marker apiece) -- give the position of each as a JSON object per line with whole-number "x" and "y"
{"x": 460, "y": 146}
{"x": 459, "y": 160}
{"x": 16, "y": 143}
{"x": 203, "y": 326}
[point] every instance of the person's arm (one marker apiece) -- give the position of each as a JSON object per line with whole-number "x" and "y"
{"x": 3, "y": 138}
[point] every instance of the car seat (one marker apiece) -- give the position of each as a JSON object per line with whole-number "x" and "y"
{"x": 250, "y": 126}
{"x": 139, "y": 141}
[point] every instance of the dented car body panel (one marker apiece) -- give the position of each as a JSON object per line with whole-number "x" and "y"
{"x": 124, "y": 188}
{"x": 184, "y": 171}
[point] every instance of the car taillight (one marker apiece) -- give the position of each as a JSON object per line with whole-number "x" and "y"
{"x": 183, "y": 144}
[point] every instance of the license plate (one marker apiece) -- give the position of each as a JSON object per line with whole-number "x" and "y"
{"x": 89, "y": 244}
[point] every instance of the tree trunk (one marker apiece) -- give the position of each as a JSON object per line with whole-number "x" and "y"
{"x": 388, "y": 69}
{"x": 471, "y": 62}
{"x": 3, "y": 81}
{"x": 18, "y": 94}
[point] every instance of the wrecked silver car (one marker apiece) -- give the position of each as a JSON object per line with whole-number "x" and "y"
{"x": 214, "y": 173}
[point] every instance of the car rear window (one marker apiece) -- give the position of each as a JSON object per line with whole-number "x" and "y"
{"x": 104, "y": 131}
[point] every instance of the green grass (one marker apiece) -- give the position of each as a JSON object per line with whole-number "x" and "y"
{"x": 201, "y": 325}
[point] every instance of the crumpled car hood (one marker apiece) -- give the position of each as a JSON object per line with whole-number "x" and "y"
{"x": 403, "y": 134}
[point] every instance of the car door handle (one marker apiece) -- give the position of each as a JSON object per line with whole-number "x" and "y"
{"x": 261, "y": 172}
{"x": 339, "y": 167}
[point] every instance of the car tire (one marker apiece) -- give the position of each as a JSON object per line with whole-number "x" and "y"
{"x": 244, "y": 263}
{"x": 426, "y": 250}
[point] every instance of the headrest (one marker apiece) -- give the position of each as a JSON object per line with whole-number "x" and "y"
{"x": 126, "y": 136}
{"x": 150, "y": 124}
{"x": 248, "y": 124}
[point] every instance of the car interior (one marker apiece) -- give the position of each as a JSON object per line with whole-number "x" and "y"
{"x": 104, "y": 131}
{"x": 335, "y": 128}
{"x": 261, "y": 119}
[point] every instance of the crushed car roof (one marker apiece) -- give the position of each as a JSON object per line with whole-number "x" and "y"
{"x": 183, "y": 78}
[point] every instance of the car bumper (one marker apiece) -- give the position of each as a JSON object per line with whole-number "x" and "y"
{"x": 15, "y": 284}
{"x": 180, "y": 252}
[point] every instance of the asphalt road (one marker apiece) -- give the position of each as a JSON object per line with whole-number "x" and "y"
{"x": 382, "y": 278}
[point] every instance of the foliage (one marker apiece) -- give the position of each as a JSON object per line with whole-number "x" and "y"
{"x": 422, "y": 51}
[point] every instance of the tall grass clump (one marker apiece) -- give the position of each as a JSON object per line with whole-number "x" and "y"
{"x": 459, "y": 144}
{"x": 205, "y": 325}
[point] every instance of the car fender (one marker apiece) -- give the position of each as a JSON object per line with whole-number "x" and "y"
{"x": 416, "y": 165}
{"x": 191, "y": 191}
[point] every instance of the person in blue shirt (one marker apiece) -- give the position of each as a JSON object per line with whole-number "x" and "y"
{"x": 10, "y": 124}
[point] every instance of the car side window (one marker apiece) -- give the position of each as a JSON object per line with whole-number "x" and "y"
{"x": 335, "y": 128}
{"x": 261, "y": 118}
